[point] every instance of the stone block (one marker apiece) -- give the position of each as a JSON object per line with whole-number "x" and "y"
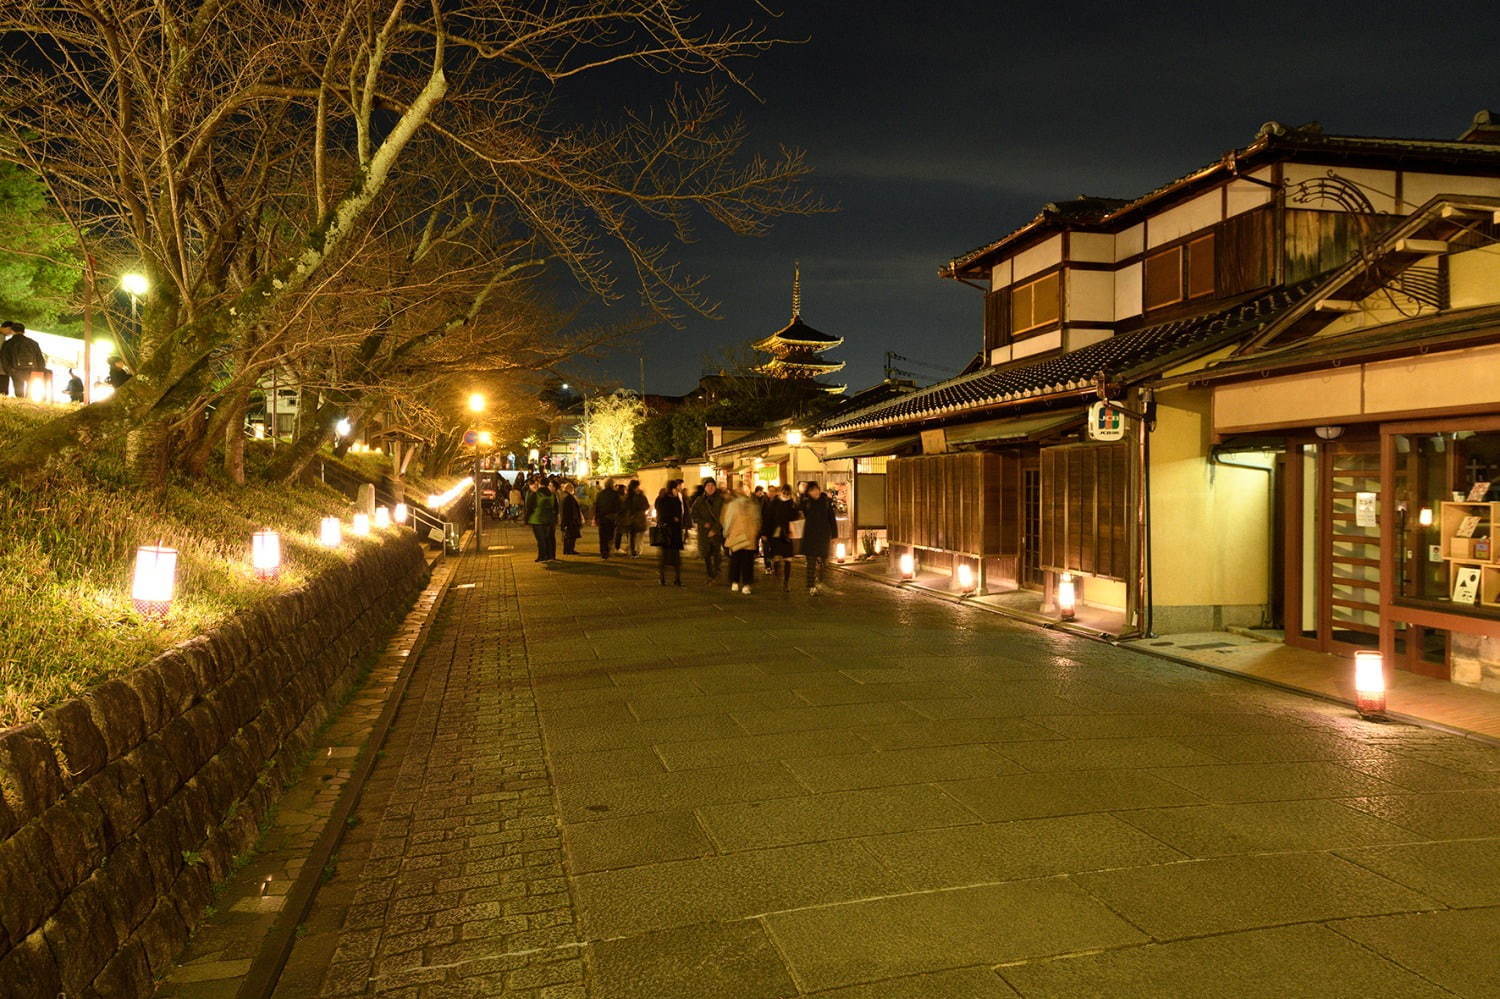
{"x": 26, "y": 863}
{"x": 75, "y": 828}
{"x": 29, "y": 776}
{"x": 121, "y": 795}
{"x": 128, "y": 973}
{"x": 8, "y": 821}
{"x": 76, "y": 741}
{"x": 117, "y": 714}
{"x": 82, "y": 937}
{"x": 161, "y": 936}
{"x": 179, "y": 682}
{"x": 29, "y": 970}
{"x": 150, "y": 690}
{"x": 128, "y": 884}
{"x": 156, "y": 761}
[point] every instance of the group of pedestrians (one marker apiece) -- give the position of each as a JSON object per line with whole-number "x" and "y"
{"x": 772, "y": 527}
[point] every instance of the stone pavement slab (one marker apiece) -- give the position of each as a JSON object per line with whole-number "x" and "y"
{"x": 880, "y": 938}
{"x": 706, "y": 961}
{"x": 1453, "y": 949}
{"x": 1267, "y": 964}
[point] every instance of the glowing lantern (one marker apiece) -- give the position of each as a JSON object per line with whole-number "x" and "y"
{"x": 343, "y": 428}
{"x": 36, "y": 388}
{"x": 400, "y": 513}
{"x": 879, "y": 545}
{"x": 794, "y": 438}
{"x": 331, "y": 534}
{"x": 360, "y": 528}
{"x": 382, "y": 516}
{"x": 965, "y": 576}
{"x": 1424, "y": 516}
{"x": 1067, "y": 597}
{"x": 155, "y": 580}
{"x": 265, "y": 554}
{"x": 840, "y": 551}
{"x": 1369, "y": 684}
{"x": 258, "y": 431}
{"x": 908, "y": 565}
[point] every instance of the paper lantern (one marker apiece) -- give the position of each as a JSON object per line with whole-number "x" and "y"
{"x": 331, "y": 534}
{"x": 908, "y": 565}
{"x": 155, "y": 580}
{"x": 400, "y": 513}
{"x": 382, "y": 516}
{"x": 965, "y": 576}
{"x": 1067, "y": 597}
{"x": 265, "y": 554}
{"x": 258, "y": 431}
{"x": 840, "y": 551}
{"x": 360, "y": 527}
{"x": 1424, "y": 516}
{"x": 879, "y": 545}
{"x": 1369, "y": 684}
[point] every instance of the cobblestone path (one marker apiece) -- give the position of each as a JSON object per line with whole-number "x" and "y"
{"x": 600, "y": 787}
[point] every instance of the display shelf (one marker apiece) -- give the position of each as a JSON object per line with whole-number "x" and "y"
{"x": 1476, "y": 549}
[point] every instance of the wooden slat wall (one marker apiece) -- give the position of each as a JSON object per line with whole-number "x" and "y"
{"x": 953, "y": 502}
{"x": 1086, "y": 509}
{"x": 1244, "y": 252}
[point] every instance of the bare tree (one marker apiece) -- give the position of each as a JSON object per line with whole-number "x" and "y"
{"x": 238, "y": 152}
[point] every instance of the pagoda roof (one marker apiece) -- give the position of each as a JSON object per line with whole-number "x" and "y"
{"x": 798, "y": 332}
{"x": 820, "y": 367}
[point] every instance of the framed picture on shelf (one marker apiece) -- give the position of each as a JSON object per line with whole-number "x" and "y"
{"x": 1478, "y": 491}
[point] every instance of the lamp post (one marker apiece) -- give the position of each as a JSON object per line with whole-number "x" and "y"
{"x": 136, "y": 285}
{"x": 476, "y": 406}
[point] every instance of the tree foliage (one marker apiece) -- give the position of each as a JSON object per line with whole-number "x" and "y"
{"x": 609, "y": 428}
{"x": 39, "y": 265}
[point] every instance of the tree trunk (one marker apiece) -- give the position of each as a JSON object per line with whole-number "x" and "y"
{"x": 233, "y": 407}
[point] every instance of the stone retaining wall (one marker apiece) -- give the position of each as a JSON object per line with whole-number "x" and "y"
{"x": 121, "y": 809}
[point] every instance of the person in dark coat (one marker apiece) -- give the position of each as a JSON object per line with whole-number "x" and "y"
{"x": 607, "y": 508}
{"x": 541, "y": 515}
{"x": 21, "y": 358}
{"x": 671, "y": 516}
{"x": 75, "y": 386}
{"x": 634, "y": 516}
{"x": 571, "y": 519}
{"x": 708, "y": 518}
{"x": 776, "y": 525}
{"x": 820, "y": 528}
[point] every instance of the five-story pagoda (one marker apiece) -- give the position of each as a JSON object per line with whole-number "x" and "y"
{"x": 796, "y": 349}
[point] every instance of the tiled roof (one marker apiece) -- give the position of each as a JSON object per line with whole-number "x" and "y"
{"x": 797, "y": 331}
{"x": 1272, "y": 137}
{"x": 1143, "y": 351}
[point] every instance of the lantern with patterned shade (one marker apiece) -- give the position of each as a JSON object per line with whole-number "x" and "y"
{"x": 155, "y": 580}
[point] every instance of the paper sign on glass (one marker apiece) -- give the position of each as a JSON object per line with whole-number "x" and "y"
{"x": 1365, "y": 507}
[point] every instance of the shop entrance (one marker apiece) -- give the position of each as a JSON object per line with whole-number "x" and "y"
{"x": 1032, "y": 577}
{"x": 1333, "y": 538}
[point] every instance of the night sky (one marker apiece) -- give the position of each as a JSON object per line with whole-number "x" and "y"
{"x": 936, "y": 128}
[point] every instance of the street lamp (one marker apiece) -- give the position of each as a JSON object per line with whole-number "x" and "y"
{"x": 343, "y": 428}
{"x": 793, "y": 441}
{"x": 136, "y": 285}
{"x": 477, "y": 403}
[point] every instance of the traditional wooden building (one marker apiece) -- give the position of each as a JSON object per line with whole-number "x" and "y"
{"x": 1121, "y": 301}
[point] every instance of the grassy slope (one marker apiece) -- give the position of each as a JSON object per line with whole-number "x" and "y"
{"x": 67, "y": 549}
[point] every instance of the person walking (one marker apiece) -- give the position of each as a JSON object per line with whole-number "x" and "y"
{"x": 820, "y": 527}
{"x": 781, "y": 513}
{"x": 708, "y": 514}
{"x": 21, "y": 358}
{"x": 636, "y": 505}
{"x": 761, "y": 499}
{"x": 671, "y": 518}
{"x": 541, "y": 514}
{"x": 513, "y": 511}
{"x": 75, "y": 386}
{"x": 572, "y": 518}
{"x": 741, "y": 535}
{"x": 606, "y": 514}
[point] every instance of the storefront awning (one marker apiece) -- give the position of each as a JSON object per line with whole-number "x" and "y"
{"x": 1023, "y": 428}
{"x": 884, "y": 447}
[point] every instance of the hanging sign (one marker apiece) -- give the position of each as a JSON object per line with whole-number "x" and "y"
{"x": 1105, "y": 422}
{"x": 1465, "y": 584}
{"x": 471, "y": 437}
{"x": 1366, "y": 506}
{"x": 934, "y": 441}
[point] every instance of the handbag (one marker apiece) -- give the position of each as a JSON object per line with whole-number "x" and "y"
{"x": 656, "y": 538}
{"x": 794, "y": 529}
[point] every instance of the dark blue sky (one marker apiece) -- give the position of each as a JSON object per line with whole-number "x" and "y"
{"x": 938, "y": 127}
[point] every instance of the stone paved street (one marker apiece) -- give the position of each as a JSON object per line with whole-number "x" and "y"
{"x": 600, "y": 787}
